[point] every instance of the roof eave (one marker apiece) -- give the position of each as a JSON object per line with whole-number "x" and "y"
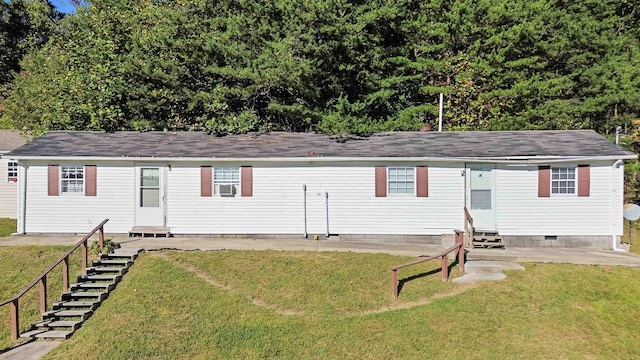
{"x": 499, "y": 160}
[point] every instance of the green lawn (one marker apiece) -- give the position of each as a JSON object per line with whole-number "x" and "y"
{"x": 298, "y": 305}
{"x": 7, "y": 227}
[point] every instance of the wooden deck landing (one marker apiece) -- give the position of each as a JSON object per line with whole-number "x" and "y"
{"x": 150, "y": 231}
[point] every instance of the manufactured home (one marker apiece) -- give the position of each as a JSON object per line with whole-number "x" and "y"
{"x": 523, "y": 188}
{"x": 9, "y": 140}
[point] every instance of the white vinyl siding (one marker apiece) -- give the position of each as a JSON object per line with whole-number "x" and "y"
{"x": 521, "y": 212}
{"x": 8, "y": 194}
{"x": 276, "y": 206}
{"x": 58, "y": 214}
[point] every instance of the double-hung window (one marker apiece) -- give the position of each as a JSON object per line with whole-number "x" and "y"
{"x": 12, "y": 171}
{"x": 72, "y": 179}
{"x": 563, "y": 180}
{"x": 226, "y": 181}
{"x": 401, "y": 180}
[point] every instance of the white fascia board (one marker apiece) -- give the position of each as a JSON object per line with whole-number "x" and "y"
{"x": 498, "y": 160}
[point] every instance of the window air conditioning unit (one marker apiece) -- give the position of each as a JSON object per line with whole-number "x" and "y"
{"x": 227, "y": 189}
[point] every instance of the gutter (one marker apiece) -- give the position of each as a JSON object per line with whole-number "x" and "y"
{"x": 320, "y": 159}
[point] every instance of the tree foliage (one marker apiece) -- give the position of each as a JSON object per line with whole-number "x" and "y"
{"x": 333, "y": 66}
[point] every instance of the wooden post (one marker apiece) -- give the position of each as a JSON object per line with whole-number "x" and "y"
{"x": 15, "y": 320}
{"x": 65, "y": 274}
{"x": 394, "y": 284}
{"x": 85, "y": 256}
{"x": 460, "y": 240}
{"x": 445, "y": 268}
{"x": 101, "y": 239}
{"x": 43, "y": 294}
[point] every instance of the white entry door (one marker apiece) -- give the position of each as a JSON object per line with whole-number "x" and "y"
{"x": 150, "y": 195}
{"x": 481, "y": 196}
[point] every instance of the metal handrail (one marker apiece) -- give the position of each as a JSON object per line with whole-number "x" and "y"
{"x": 42, "y": 279}
{"x": 458, "y": 248}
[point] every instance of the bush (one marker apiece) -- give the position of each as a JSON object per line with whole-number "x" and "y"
{"x": 109, "y": 245}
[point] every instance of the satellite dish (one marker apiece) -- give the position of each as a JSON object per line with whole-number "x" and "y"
{"x": 631, "y": 212}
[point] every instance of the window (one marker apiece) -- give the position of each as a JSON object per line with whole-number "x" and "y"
{"x": 401, "y": 180}
{"x": 72, "y": 179}
{"x": 12, "y": 171}
{"x": 226, "y": 181}
{"x": 150, "y": 187}
{"x": 563, "y": 180}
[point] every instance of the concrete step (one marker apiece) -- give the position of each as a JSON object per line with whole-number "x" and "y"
{"x": 32, "y": 333}
{"x": 92, "y": 286}
{"x": 53, "y": 334}
{"x": 87, "y": 295}
{"x": 484, "y": 266}
{"x": 112, "y": 263}
{"x": 99, "y": 278}
{"x": 76, "y": 305}
{"x": 61, "y": 314}
{"x": 68, "y": 324}
{"x": 103, "y": 270}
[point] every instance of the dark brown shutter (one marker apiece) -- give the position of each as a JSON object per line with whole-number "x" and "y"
{"x": 381, "y": 181}
{"x": 54, "y": 177}
{"x": 205, "y": 181}
{"x": 90, "y": 180}
{"x": 584, "y": 180}
{"x": 246, "y": 177}
{"x": 544, "y": 181}
{"x": 422, "y": 180}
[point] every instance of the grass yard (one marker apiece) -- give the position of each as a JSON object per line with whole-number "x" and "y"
{"x": 299, "y": 305}
{"x": 7, "y": 226}
{"x": 19, "y": 266}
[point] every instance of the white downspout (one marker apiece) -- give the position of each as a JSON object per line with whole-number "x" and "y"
{"x": 22, "y": 200}
{"x": 614, "y": 203}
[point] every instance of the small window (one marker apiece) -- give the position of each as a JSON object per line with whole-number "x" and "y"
{"x": 401, "y": 181}
{"x": 12, "y": 171}
{"x": 150, "y": 187}
{"x": 72, "y": 179}
{"x": 226, "y": 181}
{"x": 563, "y": 180}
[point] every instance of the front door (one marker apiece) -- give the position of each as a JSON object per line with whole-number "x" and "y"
{"x": 481, "y": 196}
{"x": 150, "y": 195}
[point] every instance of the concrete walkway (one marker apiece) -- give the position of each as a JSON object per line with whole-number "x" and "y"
{"x": 540, "y": 255}
{"x": 30, "y": 351}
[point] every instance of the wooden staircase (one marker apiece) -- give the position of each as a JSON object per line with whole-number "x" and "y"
{"x": 487, "y": 239}
{"x": 84, "y": 297}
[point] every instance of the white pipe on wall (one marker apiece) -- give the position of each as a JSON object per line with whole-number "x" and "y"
{"x": 614, "y": 220}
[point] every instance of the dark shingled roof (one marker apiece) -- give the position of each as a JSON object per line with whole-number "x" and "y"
{"x": 469, "y": 144}
{"x": 10, "y": 139}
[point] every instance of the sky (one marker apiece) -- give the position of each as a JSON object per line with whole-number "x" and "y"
{"x": 63, "y": 6}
